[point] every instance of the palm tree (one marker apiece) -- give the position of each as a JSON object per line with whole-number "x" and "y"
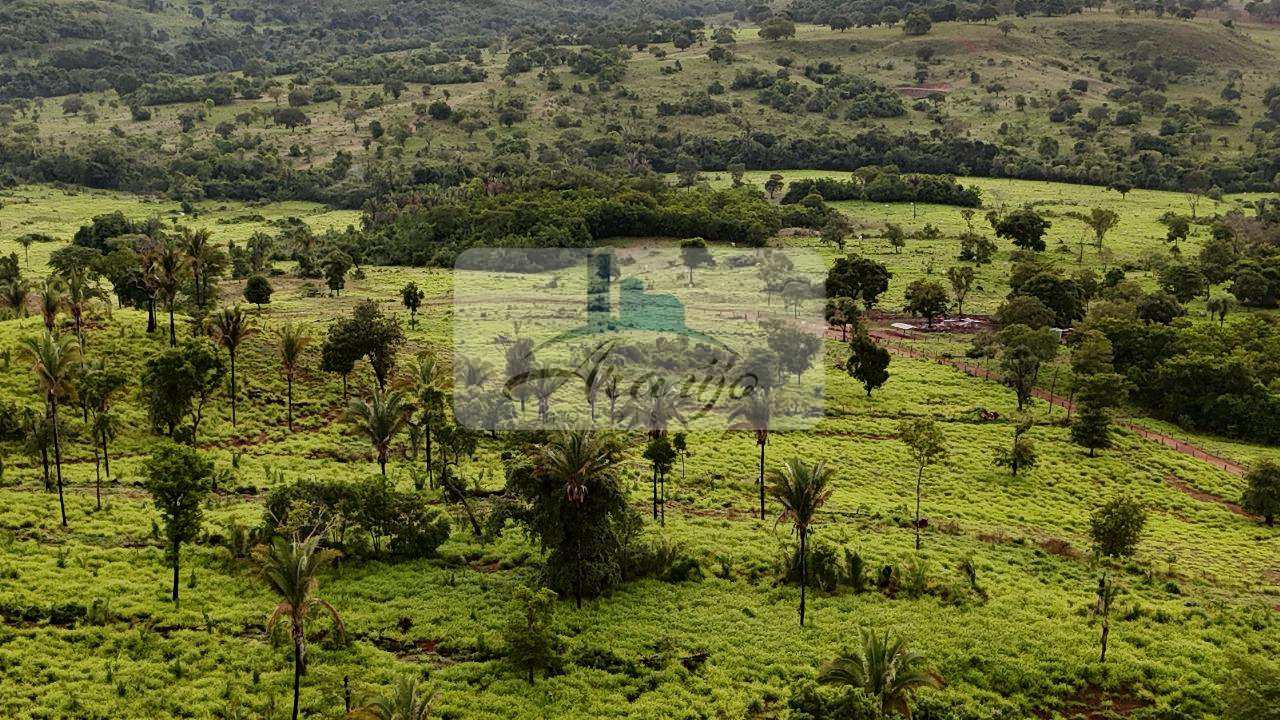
{"x": 170, "y": 269}
{"x": 79, "y": 292}
{"x": 14, "y": 294}
{"x": 231, "y": 327}
{"x": 380, "y": 418}
{"x": 103, "y": 428}
{"x": 51, "y": 300}
{"x": 292, "y": 341}
{"x": 195, "y": 244}
{"x": 754, "y": 412}
{"x": 407, "y": 702}
{"x": 801, "y": 490}
{"x": 578, "y": 459}
{"x": 52, "y": 358}
{"x": 884, "y": 668}
{"x": 429, "y": 385}
{"x": 290, "y": 569}
{"x": 654, "y": 408}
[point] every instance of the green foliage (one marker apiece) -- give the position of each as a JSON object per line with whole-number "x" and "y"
{"x": 1262, "y": 494}
{"x": 532, "y": 643}
{"x": 1116, "y": 527}
{"x": 177, "y": 383}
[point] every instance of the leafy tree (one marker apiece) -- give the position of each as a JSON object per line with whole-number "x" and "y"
{"x": 564, "y": 491}
{"x": 755, "y": 412}
{"x": 291, "y": 571}
{"x": 412, "y": 297}
{"x": 773, "y": 185}
{"x": 291, "y": 341}
{"x": 961, "y": 279}
{"x": 917, "y": 23}
{"x": 801, "y": 490}
{"x": 1024, "y": 227}
{"x": 835, "y": 231}
{"x": 1022, "y": 351}
{"x": 662, "y": 457}
{"x": 777, "y": 29}
{"x": 927, "y": 445}
{"x": 1160, "y": 308}
{"x": 868, "y": 362}
{"x": 53, "y": 359}
{"x": 927, "y": 299}
{"x": 380, "y": 419}
{"x": 1115, "y": 529}
{"x": 1091, "y": 427}
{"x": 230, "y": 328}
{"x": 1021, "y": 453}
{"x": 1183, "y": 281}
{"x": 858, "y": 278}
{"x": 336, "y": 264}
{"x": 694, "y": 253}
{"x": 532, "y": 643}
{"x": 179, "y": 479}
{"x": 1262, "y": 494}
{"x": 1179, "y": 227}
{"x": 883, "y": 668}
{"x": 178, "y": 382}
{"x": 842, "y": 312}
{"x": 1101, "y": 222}
{"x": 258, "y": 290}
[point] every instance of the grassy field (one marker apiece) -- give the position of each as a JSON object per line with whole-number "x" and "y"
{"x": 1204, "y": 585}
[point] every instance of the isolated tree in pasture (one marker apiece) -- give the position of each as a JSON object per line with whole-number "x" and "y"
{"x": 408, "y": 701}
{"x": 1024, "y": 227}
{"x": 1178, "y": 228}
{"x": 1023, "y": 351}
{"x": 230, "y": 328}
{"x": 773, "y": 185}
{"x": 801, "y": 489}
{"x": 1220, "y": 306}
{"x": 927, "y": 445}
{"x": 53, "y": 359}
{"x": 961, "y": 279}
{"x": 411, "y": 296}
{"x": 1101, "y": 222}
{"x": 1262, "y": 491}
{"x": 1115, "y": 529}
{"x": 532, "y": 644}
{"x": 179, "y": 479}
{"x": 1021, "y": 453}
{"x": 380, "y": 418}
{"x": 662, "y": 458}
{"x": 258, "y": 290}
{"x": 570, "y": 500}
{"x": 291, "y": 570}
{"x": 291, "y": 342}
{"x": 883, "y": 668}
{"x": 339, "y": 353}
{"x": 927, "y": 299}
{"x": 868, "y": 362}
{"x": 694, "y": 254}
{"x": 754, "y": 412}
{"x": 1091, "y": 427}
{"x": 335, "y": 265}
{"x": 177, "y": 384}
{"x": 858, "y": 278}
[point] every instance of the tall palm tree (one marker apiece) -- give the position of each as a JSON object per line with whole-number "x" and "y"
{"x": 103, "y": 428}
{"x": 430, "y": 387}
{"x": 801, "y": 490}
{"x": 195, "y": 244}
{"x": 231, "y": 327}
{"x": 169, "y": 271}
{"x": 52, "y": 298}
{"x": 148, "y": 249}
{"x": 79, "y": 292}
{"x": 884, "y": 668}
{"x": 53, "y": 359}
{"x": 290, "y": 569}
{"x": 754, "y": 412}
{"x": 292, "y": 340}
{"x": 14, "y": 295}
{"x": 408, "y": 701}
{"x": 380, "y": 419}
{"x": 579, "y": 460}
